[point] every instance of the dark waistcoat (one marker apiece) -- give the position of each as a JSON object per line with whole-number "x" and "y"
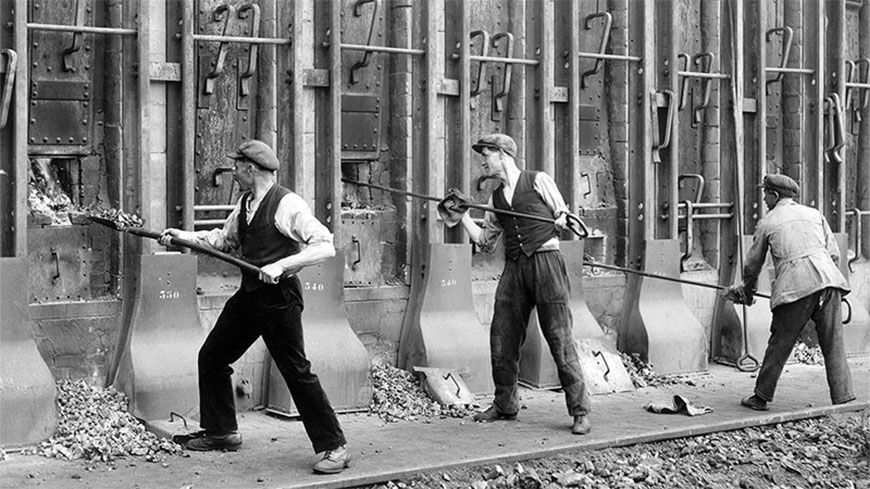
{"x": 262, "y": 242}
{"x": 523, "y": 235}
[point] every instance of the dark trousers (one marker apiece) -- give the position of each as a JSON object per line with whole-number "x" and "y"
{"x": 275, "y": 313}
{"x": 538, "y": 281}
{"x": 823, "y": 307}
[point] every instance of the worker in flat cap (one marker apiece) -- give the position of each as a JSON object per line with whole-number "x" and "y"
{"x": 274, "y": 229}
{"x": 807, "y": 285}
{"x": 534, "y": 276}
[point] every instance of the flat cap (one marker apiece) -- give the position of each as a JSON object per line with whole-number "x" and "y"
{"x": 258, "y": 152}
{"x": 782, "y": 184}
{"x": 497, "y": 141}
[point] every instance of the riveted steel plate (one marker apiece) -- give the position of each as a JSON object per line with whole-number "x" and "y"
{"x": 59, "y": 90}
{"x": 360, "y": 126}
{"x": 362, "y": 251}
{"x": 59, "y": 122}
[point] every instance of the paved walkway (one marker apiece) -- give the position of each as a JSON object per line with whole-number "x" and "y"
{"x": 276, "y": 452}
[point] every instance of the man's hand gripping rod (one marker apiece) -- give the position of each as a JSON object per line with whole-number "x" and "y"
{"x": 574, "y": 223}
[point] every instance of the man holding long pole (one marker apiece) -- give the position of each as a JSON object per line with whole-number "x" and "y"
{"x": 808, "y": 285}
{"x": 534, "y": 276}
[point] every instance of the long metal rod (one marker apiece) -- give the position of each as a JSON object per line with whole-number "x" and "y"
{"x": 701, "y": 74}
{"x": 241, "y": 39}
{"x": 470, "y": 205}
{"x": 382, "y": 49}
{"x": 613, "y": 57}
{"x": 660, "y": 277}
{"x": 82, "y": 29}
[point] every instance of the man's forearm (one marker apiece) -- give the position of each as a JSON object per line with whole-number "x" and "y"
{"x": 310, "y": 255}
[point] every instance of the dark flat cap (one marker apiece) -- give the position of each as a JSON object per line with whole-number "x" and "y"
{"x": 258, "y": 152}
{"x": 497, "y": 141}
{"x": 782, "y": 184}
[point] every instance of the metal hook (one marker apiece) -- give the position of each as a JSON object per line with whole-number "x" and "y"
{"x": 684, "y": 86}
{"x": 68, "y": 53}
{"x": 365, "y": 60}
{"x": 787, "y": 34}
{"x": 222, "y": 13}
{"x": 484, "y": 52}
{"x": 498, "y": 103}
{"x": 8, "y": 85}
{"x": 708, "y": 85}
{"x": 602, "y": 47}
{"x": 245, "y": 78}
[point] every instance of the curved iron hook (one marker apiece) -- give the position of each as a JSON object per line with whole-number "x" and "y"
{"x": 484, "y": 51}
{"x": 684, "y": 85}
{"x": 222, "y": 13}
{"x": 245, "y": 78}
{"x": 77, "y": 37}
{"x": 602, "y": 47}
{"x": 708, "y": 85}
{"x": 366, "y": 57}
{"x": 498, "y": 105}
{"x": 788, "y": 35}
{"x": 8, "y": 85}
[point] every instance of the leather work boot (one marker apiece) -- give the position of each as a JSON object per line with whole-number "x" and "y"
{"x": 491, "y": 414}
{"x": 754, "y": 402}
{"x": 230, "y": 442}
{"x": 333, "y": 461}
{"x": 581, "y": 425}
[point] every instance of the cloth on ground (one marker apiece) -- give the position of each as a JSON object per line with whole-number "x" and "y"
{"x": 679, "y": 405}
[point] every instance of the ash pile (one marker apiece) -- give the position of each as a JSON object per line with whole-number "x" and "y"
{"x": 93, "y": 424}
{"x": 399, "y": 395}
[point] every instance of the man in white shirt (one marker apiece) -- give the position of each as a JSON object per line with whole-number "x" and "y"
{"x": 275, "y": 230}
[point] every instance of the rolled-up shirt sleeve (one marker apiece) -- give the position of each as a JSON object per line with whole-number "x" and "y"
{"x": 294, "y": 219}
{"x": 224, "y": 238}
{"x": 549, "y": 191}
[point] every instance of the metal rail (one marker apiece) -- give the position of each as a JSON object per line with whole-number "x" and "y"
{"x": 82, "y": 29}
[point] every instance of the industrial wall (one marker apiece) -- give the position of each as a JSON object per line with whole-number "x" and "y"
{"x": 656, "y": 118}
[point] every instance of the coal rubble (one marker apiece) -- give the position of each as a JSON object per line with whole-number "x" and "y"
{"x": 827, "y": 452}
{"x": 399, "y": 396}
{"x": 642, "y": 373}
{"x": 93, "y": 424}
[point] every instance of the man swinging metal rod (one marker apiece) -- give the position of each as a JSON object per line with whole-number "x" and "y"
{"x": 585, "y": 232}
{"x": 573, "y": 220}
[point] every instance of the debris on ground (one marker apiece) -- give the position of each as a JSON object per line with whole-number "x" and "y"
{"x": 807, "y": 355}
{"x": 826, "y": 452}
{"x": 93, "y": 424}
{"x": 642, "y": 373}
{"x": 399, "y": 396}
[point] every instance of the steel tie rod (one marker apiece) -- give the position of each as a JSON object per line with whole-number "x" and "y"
{"x": 583, "y": 233}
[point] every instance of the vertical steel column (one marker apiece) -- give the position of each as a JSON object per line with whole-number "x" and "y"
{"x": 302, "y": 133}
{"x": 431, "y": 163}
{"x": 814, "y": 41}
{"x": 266, "y": 127}
{"x": 330, "y": 190}
{"x": 464, "y": 142}
{"x": 758, "y": 207}
{"x": 517, "y": 108}
{"x": 834, "y": 180}
{"x": 863, "y": 185}
{"x": 543, "y": 137}
{"x": 188, "y": 114}
{"x": 671, "y": 82}
{"x": 574, "y": 73}
{"x": 143, "y": 90}
{"x": 20, "y": 127}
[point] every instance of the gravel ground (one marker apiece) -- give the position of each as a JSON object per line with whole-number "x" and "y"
{"x": 829, "y": 452}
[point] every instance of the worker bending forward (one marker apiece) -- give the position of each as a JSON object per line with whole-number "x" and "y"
{"x": 534, "y": 276}
{"x": 276, "y": 231}
{"x": 807, "y": 285}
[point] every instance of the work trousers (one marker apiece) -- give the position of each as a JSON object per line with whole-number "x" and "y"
{"x": 537, "y": 281}
{"x": 823, "y": 307}
{"x": 275, "y": 313}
